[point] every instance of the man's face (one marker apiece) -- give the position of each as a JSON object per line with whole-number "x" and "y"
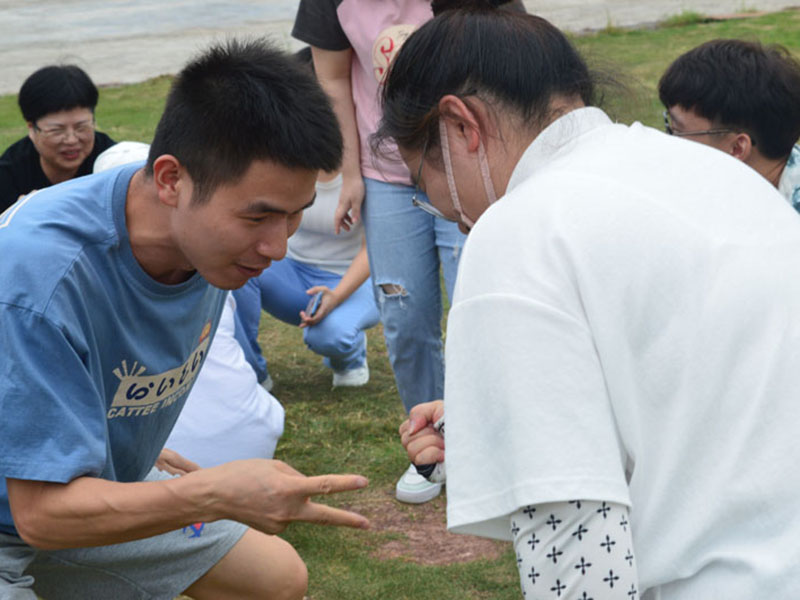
{"x": 63, "y": 139}
{"x": 687, "y": 123}
{"x": 242, "y": 227}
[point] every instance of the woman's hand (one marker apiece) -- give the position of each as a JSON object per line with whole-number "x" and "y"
{"x": 348, "y": 211}
{"x": 423, "y": 443}
{"x": 327, "y": 303}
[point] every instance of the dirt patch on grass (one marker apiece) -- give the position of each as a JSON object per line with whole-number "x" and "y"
{"x": 420, "y": 532}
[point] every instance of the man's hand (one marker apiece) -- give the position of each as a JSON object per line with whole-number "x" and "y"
{"x": 175, "y": 464}
{"x": 422, "y": 442}
{"x": 264, "y": 494}
{"x": 348, "y": 211}
{"x": 269, "y": 494}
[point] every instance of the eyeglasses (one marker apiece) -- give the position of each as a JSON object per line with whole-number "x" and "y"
{"x": 668, "y": 128}
{"x": 424, "y": 205}
{"x": 59, "y": 133}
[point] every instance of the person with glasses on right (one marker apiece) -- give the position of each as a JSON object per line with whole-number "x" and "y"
{"x": 742, "y": 98}
{"x": 58, "y": 103}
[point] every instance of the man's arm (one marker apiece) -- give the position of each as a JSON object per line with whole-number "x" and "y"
{"x": 333, "y": 72}
{"x": 266, "y": 495}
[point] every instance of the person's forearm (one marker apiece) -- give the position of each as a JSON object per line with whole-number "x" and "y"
{"x": 356, "y": 274}
{"x": 333, "y": 73}
{"x": 93, "y": 512}
{"x": 264, "y": 494}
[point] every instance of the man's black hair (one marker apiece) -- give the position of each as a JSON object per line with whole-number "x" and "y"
{"x": 742, "y": 85}
{"x": 242, "y": 101}
{"x": 55, "y": 88}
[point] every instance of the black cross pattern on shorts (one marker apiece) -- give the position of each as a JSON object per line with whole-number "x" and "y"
{"x": 608, "y": 543}
{"x": 583, "y": 565}
{"x": 558, "y": 587}
{"x": 533, "y": 541}
{"x": 611, "y": 578}
{"x": 553, "y": 522}
{"x": 533, "y": 575}
{"x": 579, "y": 532}
{"x": 555, "y": 554}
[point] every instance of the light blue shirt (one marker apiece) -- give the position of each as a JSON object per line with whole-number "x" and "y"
{"x": 789, "y": 184}
{"x": 96, "y": 357}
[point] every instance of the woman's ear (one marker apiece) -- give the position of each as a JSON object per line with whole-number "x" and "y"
{"x": 464, "y": 120}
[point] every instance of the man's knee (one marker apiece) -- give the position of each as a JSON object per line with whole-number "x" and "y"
{"x": 258, "y": 566}
{"x": 296, "y": 583}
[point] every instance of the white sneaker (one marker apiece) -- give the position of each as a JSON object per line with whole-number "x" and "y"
{"x": 352, "y": 377}
{"x": 413, "y": 488}
{"x": 268, "y": 384}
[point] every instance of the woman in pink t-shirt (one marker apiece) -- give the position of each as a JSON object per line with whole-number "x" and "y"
{"x": 353, "y": 42}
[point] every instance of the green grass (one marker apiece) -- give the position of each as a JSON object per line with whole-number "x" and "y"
{"x": 687, "y": 17}
{"x": 335, "y": 431}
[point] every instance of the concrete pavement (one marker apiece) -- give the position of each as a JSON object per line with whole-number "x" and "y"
{"x": 124, "y": 41}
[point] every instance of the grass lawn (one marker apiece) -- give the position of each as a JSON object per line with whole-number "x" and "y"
{"x": 355, "y": 430}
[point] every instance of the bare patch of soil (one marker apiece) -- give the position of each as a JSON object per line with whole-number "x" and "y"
{"x": 421, "y": 534}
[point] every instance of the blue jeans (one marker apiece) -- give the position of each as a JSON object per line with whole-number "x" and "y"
{"x": 281, "y": 291}
{"x": 406, "y": 248}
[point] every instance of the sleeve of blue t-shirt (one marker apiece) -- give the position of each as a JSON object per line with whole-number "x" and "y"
{"x": 52, "y": 412}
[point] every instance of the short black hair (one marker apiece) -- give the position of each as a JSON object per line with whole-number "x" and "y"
{"x": 743, "y": 85}
{"x": 518, "y": 60}
{"x": 242, "y": 101}
{"x": 55, "y": 88}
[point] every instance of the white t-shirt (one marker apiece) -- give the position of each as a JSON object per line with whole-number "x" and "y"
{"x": 626, "y": 327}
{"x": 316, "y": 242}
{"x": 228, "y": 415}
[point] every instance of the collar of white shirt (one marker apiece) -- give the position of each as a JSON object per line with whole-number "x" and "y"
{"x": 555, "y": 139}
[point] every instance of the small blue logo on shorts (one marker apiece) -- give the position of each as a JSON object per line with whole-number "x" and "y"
{"x": 195, "y": 528}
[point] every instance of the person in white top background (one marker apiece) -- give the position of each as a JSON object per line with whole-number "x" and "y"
{"x": 621, "y": 383}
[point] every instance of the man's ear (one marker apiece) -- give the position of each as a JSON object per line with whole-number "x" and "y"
{"x": 741, "y": 147}
{"x": 464, "y": 121}
{"x": 168, "y": 176}
{"x": 30, "y": 130}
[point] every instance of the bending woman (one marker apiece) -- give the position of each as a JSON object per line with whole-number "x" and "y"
{"x": 624, "y": 318}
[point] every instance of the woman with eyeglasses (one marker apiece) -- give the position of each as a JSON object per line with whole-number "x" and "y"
{"x": 621, "y": 383}
{"x": 58, "y": 103}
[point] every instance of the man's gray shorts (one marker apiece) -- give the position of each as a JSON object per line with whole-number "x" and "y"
{"x": 159, "y": 567}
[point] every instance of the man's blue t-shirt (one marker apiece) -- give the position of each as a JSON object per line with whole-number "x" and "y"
{"x": 96, "y": 357}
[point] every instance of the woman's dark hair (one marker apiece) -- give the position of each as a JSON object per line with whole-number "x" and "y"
{"x": 517, "y": 61}
{"x": 243, "y": 101}
{"x": 55, "y": 88}
{"x": 742, "y": 85}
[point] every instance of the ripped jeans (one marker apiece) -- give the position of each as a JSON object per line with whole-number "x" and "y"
{"x": 406, "y": 247}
